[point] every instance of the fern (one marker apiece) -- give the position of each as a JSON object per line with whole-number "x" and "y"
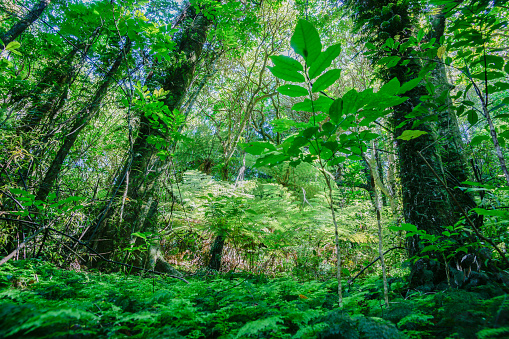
{"x": 501, "y": 332}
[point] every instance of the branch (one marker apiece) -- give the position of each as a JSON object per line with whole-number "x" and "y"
{"x": 350, "y": 281}
{"x": 4, "y": 260}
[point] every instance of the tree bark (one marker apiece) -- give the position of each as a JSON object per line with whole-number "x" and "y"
{"x": 455, "y": 170}
{"x": 25, "y": 22}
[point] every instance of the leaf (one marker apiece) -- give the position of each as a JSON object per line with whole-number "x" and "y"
{"x": 306, "y": 41}
{"x": 322, "y": 104}
{"x": 409, "y": 85}
{"x": 441, "y": 51}
{"x": 472, "y": 117}
{"x": 411, "y": 134}
{"x": 420, "y": 35}
{"x": 478, "y": 139}
{"x": 336, "y": 110}
{"x": 324, "y": 60}
{"x": 292, "y": 90}
{"x": 11, "y": 46}
{"x": 287, "y": 62}
{"x": 391, "y": 88}
{"x": 404, "y": 227}
{"x": 493, "y": 213}
{"x": 326, "y": 80}
{"x": 257, "y": 147}
{"x": 286, "y": 74}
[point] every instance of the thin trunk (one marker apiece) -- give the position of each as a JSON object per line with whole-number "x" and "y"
{"x": 83, "y": 117}
{"x": 216, "y": 252}
{"x": 24, "y": 22}
{"x": 336, "y": 235}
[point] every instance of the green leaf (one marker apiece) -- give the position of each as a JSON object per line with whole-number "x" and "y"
{"x": 322, "y": 104}
{"x": 326, "y": 80}
{"x": 409, "y": 85}
{"x": 306, "y": 41}
{"x": 420, "y": 35}
{"x": 292, "y": 90}
{"x": 11, "y": 46}
{"x": 411, "y": 134}
{"x": 391, "y": 88}
{"x": 478, "y": 139}
{"x": 493, "y": 213}
{"x": 286, "y": 74}
{"x": 324, "y": 60}
{"x": 287, "y": 62}
{"x": 404, "y": 227}
{"x": 472, "y": 117}
{"x": 336, "y": 110}
{"x": 257, "y": 147}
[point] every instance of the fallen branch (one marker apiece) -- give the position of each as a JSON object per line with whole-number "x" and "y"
{"x": 350, "y": 281}
{"x": 4, "y": 260}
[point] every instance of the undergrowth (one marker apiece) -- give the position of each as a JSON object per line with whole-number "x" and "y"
{"x": 42, "y": 301}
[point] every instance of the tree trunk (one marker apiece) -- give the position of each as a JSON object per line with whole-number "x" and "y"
{"x": 83, "y": 117}
{"x": 447, "y": 130}
{"x": 216, "y": 252}
{"x": 25, "y": 22}
{"x": 143, "y": 172}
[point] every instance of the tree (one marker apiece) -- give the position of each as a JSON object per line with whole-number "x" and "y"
{"x": 24, "y": 22}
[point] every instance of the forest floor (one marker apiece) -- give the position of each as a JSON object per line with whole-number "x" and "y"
{"x": 39, "y": 300}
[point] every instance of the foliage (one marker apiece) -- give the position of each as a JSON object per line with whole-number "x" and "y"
{"x": 38, "y": 299}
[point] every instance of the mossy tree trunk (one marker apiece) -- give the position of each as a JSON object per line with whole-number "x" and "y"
{"x": 137, "y": 181}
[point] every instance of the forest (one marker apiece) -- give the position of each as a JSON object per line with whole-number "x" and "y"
{"x": 254, "y": 169}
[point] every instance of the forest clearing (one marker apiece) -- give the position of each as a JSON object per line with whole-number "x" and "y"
{"x": 254, "y": 169}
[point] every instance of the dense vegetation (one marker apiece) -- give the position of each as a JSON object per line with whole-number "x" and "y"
{"x": 238, "y": 169}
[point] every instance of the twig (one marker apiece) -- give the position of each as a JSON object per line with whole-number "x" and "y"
{"x": 350, "y": 281}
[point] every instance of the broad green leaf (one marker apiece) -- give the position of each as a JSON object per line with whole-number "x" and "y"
{"x": 336, "y": 110}
{"x": 257, "y": 147}
{"x": 420, "y": 35}
{"x": 493, "y": 213}
{"x": 389, "y": 61}
{"x": 478, "y": 139}
{"x": 286, "y": 74}
{"x": 409, "y": 85}
{"x": 322, "y": 104}
{"x": 351, "y": 102}
{"x": 390, "y": 88}
{"x": 411, "y": 134}
{"x": 324, "y": 60}
{"x": 287, "y": 62}
{"x": 306, "y": 41}
{"x": 271, "y": 160}
{"x": 336, "y": 161}
{"x": 404, "y": 227}
{"x": 472, "y": 117}
{"x": 327, "y": 79}
{"x": 11, "y": 46}
{"x": 292, "y": 90}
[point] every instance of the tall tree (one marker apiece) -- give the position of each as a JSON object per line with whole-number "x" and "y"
{"x": 425, "y": 201}
{"x": 139, "y": 174}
